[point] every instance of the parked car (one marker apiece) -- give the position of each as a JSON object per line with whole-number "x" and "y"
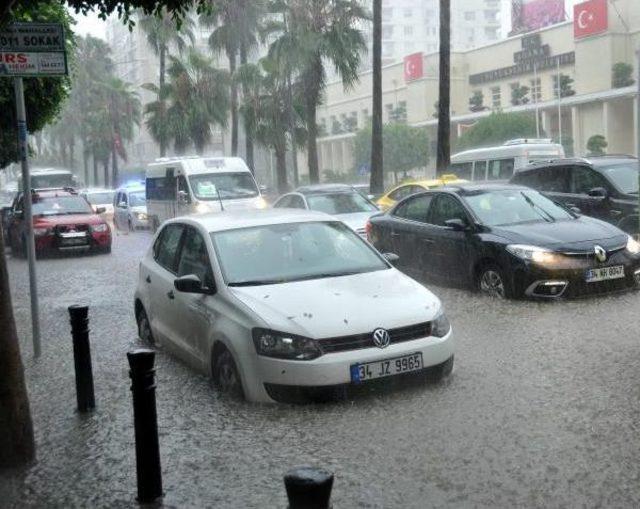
{"x": 62, "y": 222}
{"x": 286, "y": 305}
{"x": 605, "y": 187}
{"x": 339, "y": 200}
{"x": 100, "y": 198}
{"x": 130, "y": 208}
{"x": 507, "y": 241}
{"x": 7, "y": 197}
{"x": 407, "y": 188}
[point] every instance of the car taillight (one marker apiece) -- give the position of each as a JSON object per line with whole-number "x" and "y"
{"x": 368, "y": 229}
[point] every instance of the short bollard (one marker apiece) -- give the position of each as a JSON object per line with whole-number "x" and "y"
{"x": 82, "y": 357}
{"x": 308, "y": 488}
{"x": 145, "y": 419}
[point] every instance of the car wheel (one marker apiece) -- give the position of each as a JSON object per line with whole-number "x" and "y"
{"x": 225, "y": 374}
{"x": 144, "y": 328}
{"x": 491, "y": 281}
{"x": 437, "y": 373}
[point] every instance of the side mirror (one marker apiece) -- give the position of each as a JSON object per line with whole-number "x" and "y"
{"x": 191, "y": 284}
{"x": 598, "y": 192}
{"x": 183, "y": 197}
{"x": 392, "y": 258}
{"x": 101, "y": 210}
{"x": 457, "y": 225}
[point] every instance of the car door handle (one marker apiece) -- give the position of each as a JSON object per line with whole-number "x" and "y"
{"x": 171, "y": 295}
{"x": 148, "y": 279}
{"x": 428, "y": 241}
{"x": 395, "y": 234}
{"x": 570, "y": 205}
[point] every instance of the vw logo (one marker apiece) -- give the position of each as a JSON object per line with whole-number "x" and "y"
{"x": 601, "y": 254}
{"x": 381, "y": 338}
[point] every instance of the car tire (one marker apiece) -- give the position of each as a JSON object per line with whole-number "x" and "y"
{"x": 441, "y": 371}
{"x": 144, "y": 328}
{"x": 491, "y": 281}
{"x": 225, "y": 375}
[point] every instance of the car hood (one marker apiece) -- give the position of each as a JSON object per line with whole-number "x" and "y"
{"x": 564, "y": 234}
{"x": 67, "y": 219}
{"x": 341, "y": 306}
{"x": 139, "y": 208}
{"x": 356, "y": 221}
{"x": 256, "y": 202}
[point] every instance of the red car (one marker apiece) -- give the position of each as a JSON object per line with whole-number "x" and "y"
{"x": 62, "y": 222}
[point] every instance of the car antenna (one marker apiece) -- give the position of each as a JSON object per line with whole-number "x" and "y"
{"x": 219, "y": 199}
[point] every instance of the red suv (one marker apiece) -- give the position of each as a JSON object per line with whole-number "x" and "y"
{"x": 62, "y": 222}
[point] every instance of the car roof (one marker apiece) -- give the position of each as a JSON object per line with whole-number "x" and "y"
{"x": 473, "y": 187}
{"x": 91, "y": 190}
{"x": 432, "y": 182}
{"x": 231, "y": 220}
{"x": 324, "y": 189}
{"x": 594, "y": 161}
{"x": 130, "y": 189}
{"x": 50, "y": 193}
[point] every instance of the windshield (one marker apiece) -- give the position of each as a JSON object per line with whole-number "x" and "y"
{"x": 137, "y": 199}
{"x": 49, "y": 181}
{"x": 623, "y": 176}
{"x": 513, "y": 206}
{"x": 60, "y": 205}
{"x": 340, "y": 203}
{"x": 229, "y": 186}
{"x": 282, "y": 253}
{"x": 105, "y": 198}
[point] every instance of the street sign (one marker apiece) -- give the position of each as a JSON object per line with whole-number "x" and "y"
{"x": 33, "y": 49}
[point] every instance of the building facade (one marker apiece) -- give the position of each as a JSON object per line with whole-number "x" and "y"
{"x": 579, "y": 50}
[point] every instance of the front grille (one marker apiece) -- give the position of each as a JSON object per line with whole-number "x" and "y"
{"x": 66, "y": 228}
{"x": 359, "y": 341}
{"x": 591, "y": 254}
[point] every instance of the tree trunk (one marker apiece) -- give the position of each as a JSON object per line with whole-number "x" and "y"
{"x": 292, "y": 130}
{"x": 106, "y": 171}
{"x": 443, "y": 159}
{"x": 248, "y": 135}
{"x": 234, "y": 106}
{"x": 95, "y": 169}
{"x": 376, "y": 183}
{"x": 163, "y": 147}
{"x": 281, "y": 168}
{"x": 312, "y": 95}
{"x": 16, "y": 429}
{"x": 114, "y": 166}
{"x": 85, "y": 163}
{"x": 72, "y": 154}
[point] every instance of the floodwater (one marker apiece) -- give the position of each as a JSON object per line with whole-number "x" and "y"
{"x": 541, "y": 410}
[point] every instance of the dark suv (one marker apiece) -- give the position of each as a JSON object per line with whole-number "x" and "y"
{"x": 605, "y": 187}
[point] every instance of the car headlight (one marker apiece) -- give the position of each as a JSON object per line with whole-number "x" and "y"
{"x": 633, "y": 246}
{"x": 201, "y": 208}
{"x": 532, "y": 253}
{"x": 41, "y": 232}
{"x": 440, "y": 325}
{"x": 285, "y": 346}
{"x": 261, "y": 203}
{"x": 141, "y": 216}
{"x": 100, "y": 228}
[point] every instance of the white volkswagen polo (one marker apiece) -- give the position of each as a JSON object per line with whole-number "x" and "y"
{"x": 284, "y": 305}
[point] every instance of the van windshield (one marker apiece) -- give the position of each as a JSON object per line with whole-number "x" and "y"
{"x": 229, "y": 185}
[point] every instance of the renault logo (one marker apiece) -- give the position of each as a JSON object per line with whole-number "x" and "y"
{"x": 381, "y": 338}
{"x": 601, "y": 254}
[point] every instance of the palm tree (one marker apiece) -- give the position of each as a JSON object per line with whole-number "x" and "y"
{"x": 196, "y": 97}
{"x": 376, "y": 184}
{"x": 319, "y": 32}
{"x": 443, "y": 158}
{"x": 162, "y": 32}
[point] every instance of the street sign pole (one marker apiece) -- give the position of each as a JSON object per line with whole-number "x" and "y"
{"x": 30, "y": 246}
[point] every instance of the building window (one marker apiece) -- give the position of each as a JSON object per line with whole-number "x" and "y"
{"x": 491, "y": 33}
{"x": 536, "y": 90}
{"x": 408, "y": 12}
{"x": 408, "y": 30}
{"x": 364, "y": 115}
{"x": 388, "y": 108}
{"x": 491, "y": 15}
{"x": 495, "y": 97}
{"x": 469, "y": 16}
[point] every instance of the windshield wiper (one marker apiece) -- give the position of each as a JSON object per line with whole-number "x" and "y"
{"x": 257, "y": 282}
{"x": 535, "y": 206}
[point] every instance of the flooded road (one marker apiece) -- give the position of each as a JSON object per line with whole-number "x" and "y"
{"x": 542, "y": 410}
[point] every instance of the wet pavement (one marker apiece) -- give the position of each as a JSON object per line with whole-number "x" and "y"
{"x": 541, "y": 411}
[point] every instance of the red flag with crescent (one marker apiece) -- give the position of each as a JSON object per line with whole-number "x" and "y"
{"x": 590, "y": 18}
{"x": 413, "y": 67}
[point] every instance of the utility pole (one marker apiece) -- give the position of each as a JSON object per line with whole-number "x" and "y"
{"x": 443, "y": 156}
{"x": 638, "y": 133}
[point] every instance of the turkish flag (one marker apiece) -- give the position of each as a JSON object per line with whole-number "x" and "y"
{"x": 413, "y": 67}
{"x": 590, "y": 18}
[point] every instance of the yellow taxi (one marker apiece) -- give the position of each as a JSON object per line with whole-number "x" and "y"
{"x": 409, "y": 187}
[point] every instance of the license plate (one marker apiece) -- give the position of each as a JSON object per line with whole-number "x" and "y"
{"x": 386, "y": 367}
{"x": 73, "y": 241}
{"x": 604, "y": 273}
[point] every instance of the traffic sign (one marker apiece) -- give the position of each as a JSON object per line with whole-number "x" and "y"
{"x": 33, "y": 49}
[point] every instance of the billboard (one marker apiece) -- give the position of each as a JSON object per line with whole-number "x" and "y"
{"x": 529, "y": 15}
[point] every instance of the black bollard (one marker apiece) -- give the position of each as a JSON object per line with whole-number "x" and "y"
{"x": 145, "y": 419}
{"x": 82, "y": 357}
{"x": 308, "y": 488}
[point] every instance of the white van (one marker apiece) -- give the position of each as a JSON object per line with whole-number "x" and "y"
{"x": 501, "y": 162}
{"x": 179, "y": 186}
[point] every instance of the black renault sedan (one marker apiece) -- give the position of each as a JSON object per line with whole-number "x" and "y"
{"x": 506, "y": 240}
